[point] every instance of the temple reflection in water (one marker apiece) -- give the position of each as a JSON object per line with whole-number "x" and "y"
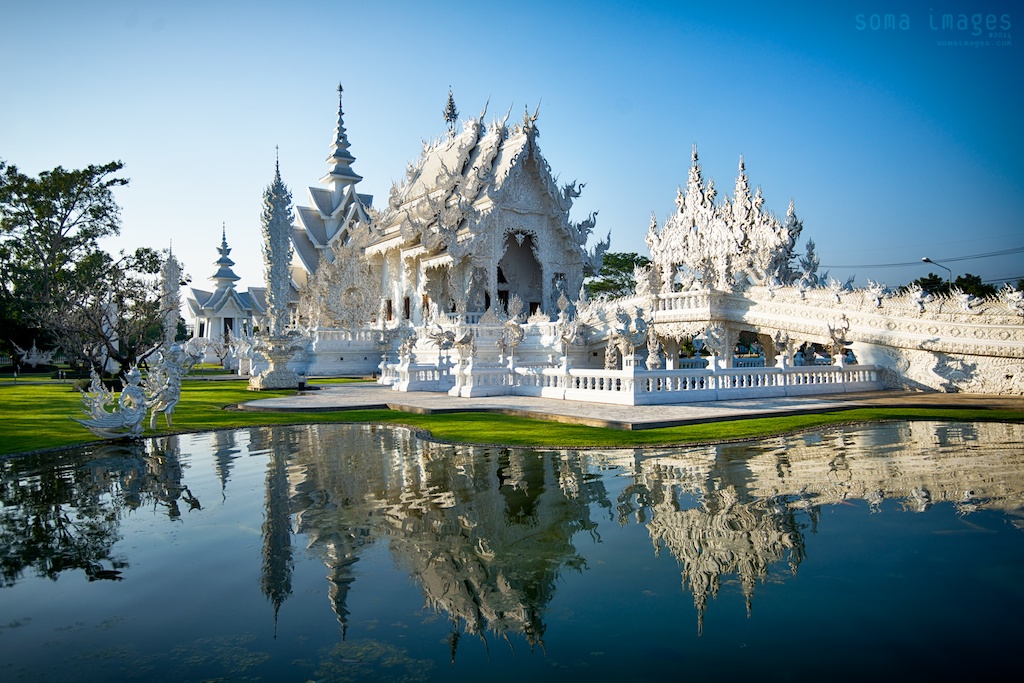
{"x": 486, "y": 532}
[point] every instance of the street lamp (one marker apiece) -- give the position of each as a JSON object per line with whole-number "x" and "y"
{"x": 949, "y": 280}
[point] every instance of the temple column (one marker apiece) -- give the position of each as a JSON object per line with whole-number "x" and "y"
{"x": 545, "y": 289}
{"x": 730, "y": 336}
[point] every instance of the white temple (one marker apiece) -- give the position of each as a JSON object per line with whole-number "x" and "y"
{"x": 471, "y": 279}
{"x": 217, "y": 315}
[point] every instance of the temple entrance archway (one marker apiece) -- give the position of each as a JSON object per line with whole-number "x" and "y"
{"x": 520, "y": 273}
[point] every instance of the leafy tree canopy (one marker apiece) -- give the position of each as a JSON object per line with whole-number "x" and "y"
{"x": 970, "y": 284}
{"x": 56, "y": 284}
{"x": 615, "y": 278}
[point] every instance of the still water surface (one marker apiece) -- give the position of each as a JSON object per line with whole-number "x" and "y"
{"x": 348, "y": 553}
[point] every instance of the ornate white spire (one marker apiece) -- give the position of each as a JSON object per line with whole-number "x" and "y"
{"x": 340, "y": 159}
{"x": 170, "y": 300}
{"x": 451, "y": 114}
{"x": 224, "y": 277}
{"x": 277, "y": 219}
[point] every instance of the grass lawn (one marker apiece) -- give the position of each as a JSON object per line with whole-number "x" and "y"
{"x": 37, "y": 416}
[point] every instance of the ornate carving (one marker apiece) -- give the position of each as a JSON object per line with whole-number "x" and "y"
{"x": 33, "y": 356}
{"x": 728, "y": 246}
{"x": 122, "y": 420}
{"x": 343, "y": 293}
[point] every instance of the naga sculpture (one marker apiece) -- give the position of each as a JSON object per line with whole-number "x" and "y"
{"x": 124, "y": 419}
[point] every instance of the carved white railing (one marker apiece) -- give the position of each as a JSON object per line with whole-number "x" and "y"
{"x": 481, "y": 379}
{"x": 422, "y": 377}
{"x": 362, "y": 334}
{"x": 389, "y": 374}
{"x": 649, "y": 387}
{"x": 682, "y": 301}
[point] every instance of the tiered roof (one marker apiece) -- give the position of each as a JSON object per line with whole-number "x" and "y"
{"x": 204, "y": 303}
{"x": 460, "y": 178}
{"x": 333, "y": 209}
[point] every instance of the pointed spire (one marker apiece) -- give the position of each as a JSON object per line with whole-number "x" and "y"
{"x": 224, "y": 277}
{"x": 340, "y": 158}
{"x": 451, "y": 114}
{"x": 277, "y": 219}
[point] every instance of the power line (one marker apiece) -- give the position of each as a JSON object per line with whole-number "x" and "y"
{"x": 1004, "y": 252}
{"x": 1009, "y": 280}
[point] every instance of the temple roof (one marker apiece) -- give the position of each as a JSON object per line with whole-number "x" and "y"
{"x": 467, "y": 169}
{"x": 224, "y": 275}
{"x": 332, "y": 209}
{"x": 204, "y": 303}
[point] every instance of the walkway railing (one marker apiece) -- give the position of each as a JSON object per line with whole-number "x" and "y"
{"x": 651, "y": 387}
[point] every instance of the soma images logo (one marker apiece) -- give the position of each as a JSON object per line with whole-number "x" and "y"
{"x": 882, "y": 22}
{"x": 970, "y": 24}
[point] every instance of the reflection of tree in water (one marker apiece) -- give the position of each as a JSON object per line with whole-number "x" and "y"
{"x": 64, "y": 515}
{"x": 485, "y": 532}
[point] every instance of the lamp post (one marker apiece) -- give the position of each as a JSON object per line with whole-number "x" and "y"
{"x": 949, "y": 279}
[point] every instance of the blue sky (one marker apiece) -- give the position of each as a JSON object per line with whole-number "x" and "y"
{"x": 894, "y": 143}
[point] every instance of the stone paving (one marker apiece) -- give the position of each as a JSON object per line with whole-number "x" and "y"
{"x": 350, "y": 396}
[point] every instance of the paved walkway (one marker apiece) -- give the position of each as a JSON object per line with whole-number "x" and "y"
{"x": 350, "y": 396}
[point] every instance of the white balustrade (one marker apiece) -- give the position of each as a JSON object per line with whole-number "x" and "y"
{"x": 649, "y": 387}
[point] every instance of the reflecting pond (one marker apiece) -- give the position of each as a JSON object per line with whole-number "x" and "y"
{"x": 345, "y": 553}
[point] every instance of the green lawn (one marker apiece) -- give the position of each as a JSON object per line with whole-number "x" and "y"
{"x": 36, "y": 416}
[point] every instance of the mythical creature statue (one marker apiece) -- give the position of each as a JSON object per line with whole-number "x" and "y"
{"x": 572, "y": 191}
{"x": 876, "y": 291}
{"x": 653, "y": 353}
{"x": 967, "y": 301}
{"x": 1013, "y": 298}
{"x": 919, "y": 297}
{"x": 163, "y": 383}
{"x": 125, "y": 419}
{"x": 631, "y": 330}
{"x": 33, "y": 356}
{"x": 715, "y": 339}
{"x": 443, "y": 339}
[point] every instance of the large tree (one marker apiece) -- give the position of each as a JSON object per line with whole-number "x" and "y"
{"x": 117, "y": 318}
{"x": 50, "y": 229}
{"x": 615, "y": 278}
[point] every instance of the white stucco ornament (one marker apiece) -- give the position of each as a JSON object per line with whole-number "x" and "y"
{"x": 33, "y": 356}
{"x": 110, "y": 420}
{"x": 163, "y": 383}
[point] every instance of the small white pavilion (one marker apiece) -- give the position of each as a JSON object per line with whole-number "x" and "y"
{"x": 216, "y": 315}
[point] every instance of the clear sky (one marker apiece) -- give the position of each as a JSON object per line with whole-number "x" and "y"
{"x": 895, "y": 143}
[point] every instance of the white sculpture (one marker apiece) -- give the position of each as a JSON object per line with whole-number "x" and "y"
{"x": 33, "y": 356}
{"x": 279, "y": 344}
{"x": 124, "y": 419}
{"x": 1013, "y": 298}
{"x": 163, "y": 382}
{"x": 631, "y": 330}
